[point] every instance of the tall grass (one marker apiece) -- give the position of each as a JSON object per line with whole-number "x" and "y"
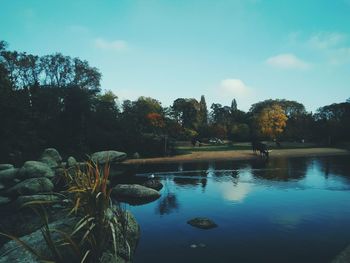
{"x": 99, "y": 225}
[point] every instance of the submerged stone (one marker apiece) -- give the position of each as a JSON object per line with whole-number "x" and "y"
{"x": 202, "y": 223}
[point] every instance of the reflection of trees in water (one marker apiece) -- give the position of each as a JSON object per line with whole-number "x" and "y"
{"x": 188, "y": 181}
{"x": 168, "y": 202}
{"x": 282, "y": 169}
{"x": 337, "y": 165}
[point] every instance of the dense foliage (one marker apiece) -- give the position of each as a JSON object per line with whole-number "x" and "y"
{"x": 56, "y": 101}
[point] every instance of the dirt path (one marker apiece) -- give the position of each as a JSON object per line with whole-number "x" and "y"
{"x": 238, "y": 155}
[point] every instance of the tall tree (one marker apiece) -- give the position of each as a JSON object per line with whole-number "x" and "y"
{"x": 234, "y": 105}
{"x": 203, "y": 112}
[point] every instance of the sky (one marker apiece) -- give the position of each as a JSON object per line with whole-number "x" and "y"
{"x": 250, "y": 50}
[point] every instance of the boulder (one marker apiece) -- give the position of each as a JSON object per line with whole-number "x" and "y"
{"x": 202, "y": 222}
{"x": 71, "y": 162}
{"x": 31, "y": 186}
{"x": 8, "y": 175}
{"x": 47, "y": 198}
{"x": 134, "y": 193}
{"x": 4, "y": 200}
{"x": 154, "y": 184}
{"x": 32, "y": 169}
{"x": 51, "y": 157}
{"x": 343, "y": 257}
{"x": 13, "y": 252}
{"x": 108, "y": 156}
{"x": 5, "y": 166}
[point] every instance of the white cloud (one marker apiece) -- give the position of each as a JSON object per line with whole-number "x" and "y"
{"x": 115, "y": 45}
{"x": 326, "y": 40}
{"x": 235, "y": 193}
{"x": 234, "y": 87}
{"x": 287, "y": 61}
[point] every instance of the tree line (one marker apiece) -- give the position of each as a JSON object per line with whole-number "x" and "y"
{"x": 56, "y": 101}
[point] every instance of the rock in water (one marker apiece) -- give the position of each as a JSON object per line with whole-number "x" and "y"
{"x": 134, "y": 193}
{"x": 108, "y": 156}
{"x": 32, "y": 169}
{"x": 31, "y": 186}
{"x": 5, "y": 166}
{"x": 154, "y": 184}
{"x": 202, "y": 223}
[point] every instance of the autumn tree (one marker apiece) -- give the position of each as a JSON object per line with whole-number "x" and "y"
{"x": 272, "y": 120}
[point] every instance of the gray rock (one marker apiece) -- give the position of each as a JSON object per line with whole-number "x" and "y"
{"x": 108, "y": 156}
{"x": 4, "y": 200}
{"x": 71, "y": 161}
{"x": 5, "y": 166}
{"x": 13, "y": 252}
{"x": 8, "y": 175}
{"x": 134, "y": 193}
{"x": 154, "y": 184}
{"x": 32, "y": 169}
{"x": 31, "y": 186}
{"x": 21, "y": 200}
{"x": 343, "y": 257}
{"x": 202, "y": 222}
{"x": 51, "y": 157}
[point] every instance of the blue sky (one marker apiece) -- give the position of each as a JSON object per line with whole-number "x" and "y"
{"x": 250, "y": 50}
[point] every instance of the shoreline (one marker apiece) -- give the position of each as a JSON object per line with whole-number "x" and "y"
{"x": 203, "y": 156}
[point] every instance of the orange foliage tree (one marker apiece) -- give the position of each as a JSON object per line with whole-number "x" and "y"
{"x": 155, "y": 119}
{"x": 272, "y": 120}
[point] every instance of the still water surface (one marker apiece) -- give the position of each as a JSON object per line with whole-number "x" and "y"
{"x": 283, "y": 210}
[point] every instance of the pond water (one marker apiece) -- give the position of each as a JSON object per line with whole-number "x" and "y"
{"x": 281, "y": 210}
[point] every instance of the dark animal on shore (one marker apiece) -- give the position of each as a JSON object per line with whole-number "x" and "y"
{"x": 261, "y": 147}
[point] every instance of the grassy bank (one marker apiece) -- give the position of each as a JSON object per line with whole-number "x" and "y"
{"x": 224, "y": 155}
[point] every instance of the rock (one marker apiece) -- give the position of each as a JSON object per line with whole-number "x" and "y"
{"x": 51, "y": 157}
{"x": 71, "y": 162}
{"x": 343, "y": 257}
{"x": 8, "y": 175}
{"x": 32, "y": 169}
{"x": 4, "y": 200}
{"x": 51, "y": 153}
{"x": 154, "y": 184}
{"x": 108, "y": 156}
{"x": 13, "y": 252}
{"x": 21, "y": 200}
{"x": 31, "y": 186}
{"x": 202, "y": 222}
{"x": 134, "y": 193}
{"x": 5, "y": 166}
